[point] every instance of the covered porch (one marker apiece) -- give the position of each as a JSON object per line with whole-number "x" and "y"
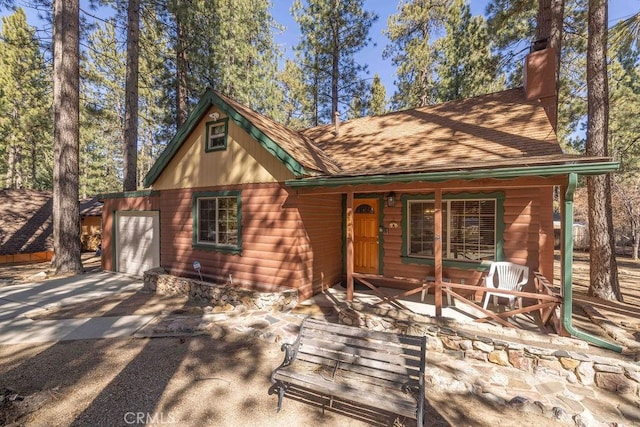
{"x": 440, "y": 286}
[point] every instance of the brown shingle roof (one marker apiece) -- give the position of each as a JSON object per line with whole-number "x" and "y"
{"x": 494, "y": 128}
{"x": 25, "y": 221}
{"x": 293, "y": 143}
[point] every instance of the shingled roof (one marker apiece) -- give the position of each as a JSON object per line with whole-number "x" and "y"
{"x": 486, "y": 130}
{"x": 496, "y": 131}
{"x": 25, "y": 221}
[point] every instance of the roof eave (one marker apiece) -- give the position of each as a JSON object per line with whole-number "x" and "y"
{"x": 209, "y": 99}
{"x": 594, "y": 168}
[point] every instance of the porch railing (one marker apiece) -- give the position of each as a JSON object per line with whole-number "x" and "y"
{"x": 547, "y": 298}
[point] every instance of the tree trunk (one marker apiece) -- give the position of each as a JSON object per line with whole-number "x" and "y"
{"x": 335, "y": 63}
{"x": 182, "y": 67}
{"x": 66, "y": 107}
{"x": 131, "y": 97}
{"x": 603, "y": 267}
{"x": 549, "y": 26}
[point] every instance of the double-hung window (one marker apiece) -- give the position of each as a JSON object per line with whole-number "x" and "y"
{"x": 217, "y": 220}
{"x": 216, "y": 138}
{"x": 469, "y": 229}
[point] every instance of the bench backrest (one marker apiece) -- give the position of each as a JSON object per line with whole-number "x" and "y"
{"x": 398, "y": 360}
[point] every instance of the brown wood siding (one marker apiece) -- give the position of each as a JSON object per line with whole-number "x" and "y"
{"x": 144, "y": 203}
{"x": 287, "y": 241}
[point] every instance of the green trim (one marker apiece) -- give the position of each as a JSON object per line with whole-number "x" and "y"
{"x": 237, "y": 249}
{"x": 181, "y": 135}
{"x": 208, "y": 126}
{"x": 498, "y": 196}
{"x": 566, "y": 265}
{"x": 114, "y": 234}
{"x": 128, "y": 194}
{"x": 209, "y": 99}
{"x": 596, "y": 168}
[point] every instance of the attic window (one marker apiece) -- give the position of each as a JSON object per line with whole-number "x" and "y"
{"x": 216, "y": 138}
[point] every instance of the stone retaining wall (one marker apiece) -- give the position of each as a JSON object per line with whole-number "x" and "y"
{"x": 221, "y": 297}
{"x": 559, "y": 356}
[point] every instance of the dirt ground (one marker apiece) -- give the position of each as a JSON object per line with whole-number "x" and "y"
{"x": 217, "y": 379}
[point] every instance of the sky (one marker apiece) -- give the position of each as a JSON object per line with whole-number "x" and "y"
{"x": 372, "y": 54}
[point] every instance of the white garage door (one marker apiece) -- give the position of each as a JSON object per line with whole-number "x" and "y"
{"x": 137, "y": 241}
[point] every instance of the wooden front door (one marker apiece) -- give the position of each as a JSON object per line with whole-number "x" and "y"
{"x": 366, "y": 244}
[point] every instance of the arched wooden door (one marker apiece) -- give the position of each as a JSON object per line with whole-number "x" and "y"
{"x": 366, "y": 244}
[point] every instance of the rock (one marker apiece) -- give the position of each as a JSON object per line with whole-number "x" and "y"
{"x": 450, "y": 344}
{"x": 476, "y": 354}
{"x": 585, "y": 373}
{"x": 466, "y": 345}
{"x": 519, "y": 360}
{"x": 601, "y": 367}
{"x": 613, "y": 382}
{"x": 484, "y": 347}
{"x": 434, "y": 344}
{"x": 568, "y": 363}
{"x": 499, "y": 358}
{"x": 561, "y": 416}
{"x": 585, "y": 419}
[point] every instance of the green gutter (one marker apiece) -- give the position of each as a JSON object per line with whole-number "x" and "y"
{"x": 127, "y": 194}
{"x": 596, "y": 168}
{"x": 567, "y": 273}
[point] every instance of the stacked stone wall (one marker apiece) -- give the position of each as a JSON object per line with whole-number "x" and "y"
{"x": 563, "y": 357}
{"x": 221, "y": 297}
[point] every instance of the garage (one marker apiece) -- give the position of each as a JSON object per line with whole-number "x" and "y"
{"x": 137, "y": 241}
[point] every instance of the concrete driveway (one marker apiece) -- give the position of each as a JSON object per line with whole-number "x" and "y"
{"x": 17, "y": 301}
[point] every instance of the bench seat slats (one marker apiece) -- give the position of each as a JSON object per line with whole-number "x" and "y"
{"x": 328, "y": 371}
{"x": 309, "y": 345}
{"x": 360, "y": 361}
{"x": 384, "y": 398}
{"x": 378, "y": 346}
{"x": 324, "y": 327}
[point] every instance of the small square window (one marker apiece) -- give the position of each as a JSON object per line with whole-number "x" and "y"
{"x": 216, "y": 138}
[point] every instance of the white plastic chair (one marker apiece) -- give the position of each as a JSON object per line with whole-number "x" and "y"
{"x": 507, "y": 276}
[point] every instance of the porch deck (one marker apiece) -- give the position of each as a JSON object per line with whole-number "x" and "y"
{"x": 460, "y": 302}
{"x": 463, "y": 313}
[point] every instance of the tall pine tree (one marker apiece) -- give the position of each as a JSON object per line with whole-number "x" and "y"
{"x": 25, "y": 107}
{"x": 332, "y": 32}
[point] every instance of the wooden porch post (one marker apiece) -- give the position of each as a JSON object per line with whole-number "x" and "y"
{"x": 437, "y": 245}
{"x": 349, "y": 230}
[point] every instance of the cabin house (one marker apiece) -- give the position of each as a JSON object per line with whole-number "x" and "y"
{"x": 438, "y": 191}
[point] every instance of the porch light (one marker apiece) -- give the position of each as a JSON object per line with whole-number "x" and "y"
{"x": 391, "y": 199}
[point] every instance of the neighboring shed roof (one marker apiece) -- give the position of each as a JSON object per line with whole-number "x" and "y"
{"x": 25, "y": 221}
{"x": 486, "y": 130}
{"x": 90, "y": 207}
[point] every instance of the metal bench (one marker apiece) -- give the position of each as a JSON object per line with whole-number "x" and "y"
{"x": 381, "y": 370}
